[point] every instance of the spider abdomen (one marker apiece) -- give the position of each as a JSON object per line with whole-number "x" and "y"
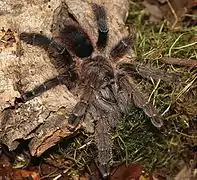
{"x": 77, "y": 41}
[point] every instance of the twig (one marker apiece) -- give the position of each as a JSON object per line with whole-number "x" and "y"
{"x": 174, "y": 14}
{"x": 179, "y": 61}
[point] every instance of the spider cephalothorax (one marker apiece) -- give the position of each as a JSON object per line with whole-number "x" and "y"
{"x": 107, "y": 90}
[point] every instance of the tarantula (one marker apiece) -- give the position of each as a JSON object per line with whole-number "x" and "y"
{"x": 107, "y": 89}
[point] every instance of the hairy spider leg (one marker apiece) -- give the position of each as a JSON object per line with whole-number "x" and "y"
{"x": 42, "y": 41}
{"x": 103, "y": 141}
{"x": 121, "y": 48}
{"x": 45, "y": 43}
{"x": 76, "y": 41}
{"x": 101, "y": 19}
{"x": 129, "y": 93}
{"x": 26, "y": 96}
{"x": 80, "y": 109}
{"x": 105, "y": 114}
{"x": 149, "y": 73}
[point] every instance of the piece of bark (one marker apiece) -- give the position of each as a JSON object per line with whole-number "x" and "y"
{"x": 43, "y": 119}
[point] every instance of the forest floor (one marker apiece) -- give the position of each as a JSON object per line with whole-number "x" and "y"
{"x": 166, "y": 39}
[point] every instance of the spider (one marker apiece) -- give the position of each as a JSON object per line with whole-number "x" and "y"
{"x": 107, "y": 89}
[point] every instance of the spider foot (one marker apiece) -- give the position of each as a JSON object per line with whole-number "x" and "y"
{"x": 74, "y": 121}
{"x": 77, "y": 115}
{"x": 104, "y": 170}
{"x": 122, "y": 47}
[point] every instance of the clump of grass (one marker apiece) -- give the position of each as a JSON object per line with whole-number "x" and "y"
{"x": 72, "y": 156}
